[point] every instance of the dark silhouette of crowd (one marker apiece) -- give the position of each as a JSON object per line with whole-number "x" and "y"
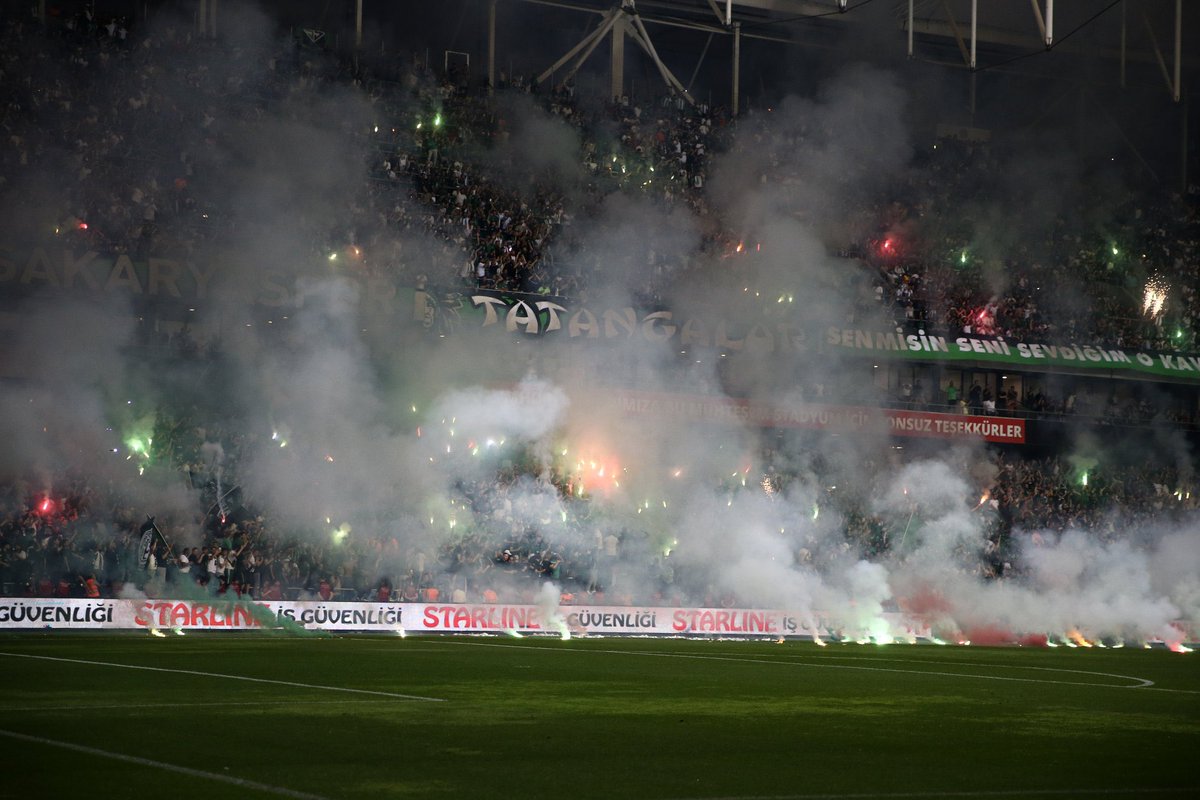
{"x": 70, "y": 540}
{"x": 118, "y": 130}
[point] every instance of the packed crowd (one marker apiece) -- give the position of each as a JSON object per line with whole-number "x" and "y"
{"x": 121, "y": 133}
{"x": 68, "y": 542}
{"x": 1069, "y": 279}
{"x": 131, "y": 154}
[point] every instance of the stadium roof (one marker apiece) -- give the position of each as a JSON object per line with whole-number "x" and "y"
{"x": 1152, "y": 33}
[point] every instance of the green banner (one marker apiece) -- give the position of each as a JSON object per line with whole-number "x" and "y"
{"x": 1010, "y": 353}
{"x": 459, "y": 310}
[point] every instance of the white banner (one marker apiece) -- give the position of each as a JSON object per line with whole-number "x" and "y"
{"x": 17, "y": 613}
{"x": 39, "y": 613}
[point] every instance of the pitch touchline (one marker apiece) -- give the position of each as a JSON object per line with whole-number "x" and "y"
{"x": 1142, "y": 682}
{"x": 293, "y": 702}
{"x": 146, "y": 762}
{"x": 230, "y": 677}
{"x": 965, "y": 793}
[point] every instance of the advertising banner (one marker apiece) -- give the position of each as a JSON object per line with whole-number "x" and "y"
{"x": 698, "y": 408}
{"x": 472, "y": 618}
{"x": 779, "y": 331}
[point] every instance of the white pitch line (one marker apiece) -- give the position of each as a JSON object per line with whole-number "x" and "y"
{"x": 73, "y": 709}
{"x": 1143, "y": 683}
{"x": 146, "y": 762}
{"x": 230, "y": 677}
{"x": 1188, "y": 790}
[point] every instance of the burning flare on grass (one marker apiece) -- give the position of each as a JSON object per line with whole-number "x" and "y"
{"x": 1078, "y": 638}
{"x": 1173, "y": 638}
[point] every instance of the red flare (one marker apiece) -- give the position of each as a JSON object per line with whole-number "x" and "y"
{"x": 989, "y": 635}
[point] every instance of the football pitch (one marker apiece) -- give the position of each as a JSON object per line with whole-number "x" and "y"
{"x": 252, "y": 716}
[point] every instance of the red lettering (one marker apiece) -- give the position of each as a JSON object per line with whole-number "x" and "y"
{"x": 430, "y": 618}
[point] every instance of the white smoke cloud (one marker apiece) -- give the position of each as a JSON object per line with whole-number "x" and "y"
{"x": 327, "y": 408}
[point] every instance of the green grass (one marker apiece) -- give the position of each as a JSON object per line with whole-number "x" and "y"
{"x": 594, "y": 718}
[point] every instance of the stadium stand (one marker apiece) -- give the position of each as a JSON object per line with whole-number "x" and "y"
{"x": 87, "y": 117}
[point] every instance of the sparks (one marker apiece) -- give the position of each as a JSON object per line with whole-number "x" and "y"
{"x": 1154, "y": 296}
